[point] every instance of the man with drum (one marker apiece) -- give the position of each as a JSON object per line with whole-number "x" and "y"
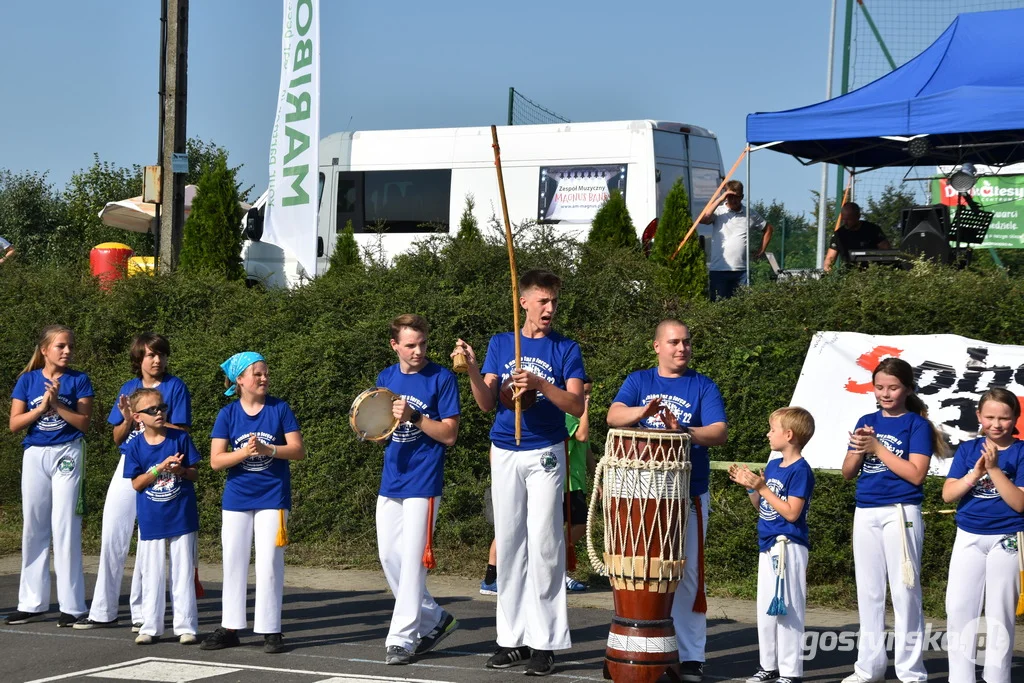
{"x": 673, "y": 396}
{"x": 529, "y": 476}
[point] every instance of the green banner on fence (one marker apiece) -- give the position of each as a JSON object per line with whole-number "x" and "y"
{"x": 1003, "y": 195}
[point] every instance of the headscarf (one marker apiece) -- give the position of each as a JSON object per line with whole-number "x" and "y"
{"x": 236, "y": 365}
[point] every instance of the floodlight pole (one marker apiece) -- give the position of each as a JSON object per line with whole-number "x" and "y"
{"x": 819, "y": 257}
{"x": 847, "y": 36}
{"x": 173, "y": 108}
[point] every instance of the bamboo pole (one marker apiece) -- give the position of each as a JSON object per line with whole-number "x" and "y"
{"x": 514, "y": 275}
{"x": 714, "y": 198}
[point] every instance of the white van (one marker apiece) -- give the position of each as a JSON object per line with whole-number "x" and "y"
{"x": 415, "y": 182}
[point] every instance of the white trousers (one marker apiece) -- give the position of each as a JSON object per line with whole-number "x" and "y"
{"x": 238, "y": 531}
{"x": 401, "y": 538}
{"x": 50, "y": 478}
{"x": 878, "y": 555}
{"x": 982, "y": 572}
{"x": 118, "y": 526}
{"x": 152, "y": 557}
{"x": 691, "y": 627}
{"x": 530, "y": 541}
{"x": 780, "y": 638}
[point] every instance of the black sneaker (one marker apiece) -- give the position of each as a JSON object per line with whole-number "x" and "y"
{"x": 66, "y": 620}
{"x": 507, "y": 657}
{"x": 790, "y": 679}
{"x": 691, "y": 672}
{"x": 220, "y": 639}
{"x": 15, "y": 618}
{"x": 542, "y": 663}
{"x": 444, "y": 628}
{"x": 86, "y": 622}
{"x": 273, "y": 643}
{"x": 763, "y": 676}
{"x": 136, "y": 626}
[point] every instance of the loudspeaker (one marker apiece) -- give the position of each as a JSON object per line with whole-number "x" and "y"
{"x": 934, "y": 215}
{"x": 926, "y": 242}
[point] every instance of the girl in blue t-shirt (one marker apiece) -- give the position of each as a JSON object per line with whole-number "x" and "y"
{"x": 987, "y": 477}
{"x": 889, "y": 454}
{"x": 253, "y": 439}
{"x": 53, "y": 403}
{"x": 148, "y": 355}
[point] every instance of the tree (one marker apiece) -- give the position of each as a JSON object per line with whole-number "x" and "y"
{"x": 612, "y": 224}
{"x": 88, "y": 192}
{"x": 687, "y": 274}
{"x": 202, "y": 155}
{"x": 33, "y": 218}
{"x": 469, "y": 229}
{"x": 212, "y": 241}
{"x": 886, "y": 211}
{"x": 346, "y": 251}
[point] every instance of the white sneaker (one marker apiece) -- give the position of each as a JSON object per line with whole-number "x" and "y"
{"x": 857, "y": 678}
{"x": 144, "y": 639}
{"x": 187, "y": 639}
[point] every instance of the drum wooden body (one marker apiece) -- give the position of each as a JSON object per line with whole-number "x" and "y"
{"x": 645, "y": 481}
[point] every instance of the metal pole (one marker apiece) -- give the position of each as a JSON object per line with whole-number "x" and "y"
{"x": 847, "y": 33}
{"x": 176, "y": 95}
{"x": 511, "y": 102}
{"x": 782, "y": 258}
{"x": 746, "y": 207}
{"x": 819, "y": 254}
{"x": 878, "y": 36}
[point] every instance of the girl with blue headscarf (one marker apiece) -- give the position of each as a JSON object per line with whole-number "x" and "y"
{"x": 254, "y": 438}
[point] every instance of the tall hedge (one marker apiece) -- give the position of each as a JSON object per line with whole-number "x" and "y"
{"x": 326, "y": 342}
{"x": 686, "y": 275}
{"x": 212, "y": 240}
{"x": 612, "y": 224}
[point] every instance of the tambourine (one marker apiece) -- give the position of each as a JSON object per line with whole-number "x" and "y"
{"x": 371, "y": 417}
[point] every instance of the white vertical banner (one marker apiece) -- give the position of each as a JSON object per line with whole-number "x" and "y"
{"x": 290, "y": 221}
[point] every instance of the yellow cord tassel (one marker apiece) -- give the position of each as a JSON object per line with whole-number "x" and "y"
{"x": 282, "y": 530}
{"x": 1020, "y": 564}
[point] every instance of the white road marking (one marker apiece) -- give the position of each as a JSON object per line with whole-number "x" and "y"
{"x": 162, "y": 671}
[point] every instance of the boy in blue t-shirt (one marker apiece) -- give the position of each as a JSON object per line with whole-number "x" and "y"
{"x": 410, "y": 487}
{"x": 161, "y": 464}
{"x": 532, "y": 617}
{"x": 782, "y": 495}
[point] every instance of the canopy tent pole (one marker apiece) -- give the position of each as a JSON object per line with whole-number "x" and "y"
{"x": 819, "y": 255}
{"x": 746, "y": 206}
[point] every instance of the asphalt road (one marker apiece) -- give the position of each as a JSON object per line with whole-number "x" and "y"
{"x": 335, "y": 625}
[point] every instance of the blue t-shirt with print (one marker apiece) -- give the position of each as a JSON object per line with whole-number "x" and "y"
{"x": 694, "y": 400}
{"x": 413, "y": 462}
{"x": 877, "y": 485}
{"x": 261, "y": 482}
{"x": 982, "y": 510}
{"x": 167, "y": 508}
{"x": 51, "y": 429}
{"x": 796, "y": 480}
{"x": 175, "y": 395}
{"x": 553, "y": 357}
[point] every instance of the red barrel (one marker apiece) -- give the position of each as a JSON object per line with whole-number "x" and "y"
{"x": 109, "y": 262}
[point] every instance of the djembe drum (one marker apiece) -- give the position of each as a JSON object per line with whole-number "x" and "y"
{"x": 644, "y": 481}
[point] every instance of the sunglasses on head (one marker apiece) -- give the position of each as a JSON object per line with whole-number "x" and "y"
{"x": 153, "y": 410}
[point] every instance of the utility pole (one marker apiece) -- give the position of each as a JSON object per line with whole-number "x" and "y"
{"x": 173, "y": 134}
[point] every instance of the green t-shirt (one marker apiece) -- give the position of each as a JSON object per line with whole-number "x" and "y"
{"x": 577, "y": 455}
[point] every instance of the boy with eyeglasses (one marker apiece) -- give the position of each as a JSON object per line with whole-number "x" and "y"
{"x": 161, "y": 464}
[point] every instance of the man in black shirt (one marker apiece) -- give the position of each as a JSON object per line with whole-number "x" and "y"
{"x": 853, "y": 234}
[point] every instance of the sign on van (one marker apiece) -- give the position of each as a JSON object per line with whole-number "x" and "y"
{"x": 573, "y": 194}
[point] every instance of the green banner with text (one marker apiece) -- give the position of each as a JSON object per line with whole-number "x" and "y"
{"x": 1004, "y": 196}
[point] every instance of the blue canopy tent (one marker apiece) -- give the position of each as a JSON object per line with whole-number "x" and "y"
{"x": 960, "y": 100}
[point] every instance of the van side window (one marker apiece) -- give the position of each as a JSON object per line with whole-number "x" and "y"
{"x": 705, "y": 150}
{"x": 406, "y": 201}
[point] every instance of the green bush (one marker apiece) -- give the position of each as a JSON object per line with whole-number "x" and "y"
{"x": 612, "y": 224}
{"x": 327, "y": 341}
{"x": 346, "y": 251}
{"x": 212, "y": 241}
{"x": 686, "y": 274}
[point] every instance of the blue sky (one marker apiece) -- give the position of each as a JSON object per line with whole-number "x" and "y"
{"x": 81, "y": 77}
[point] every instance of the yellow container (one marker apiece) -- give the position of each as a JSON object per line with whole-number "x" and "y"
{"x": 141, "y": 265}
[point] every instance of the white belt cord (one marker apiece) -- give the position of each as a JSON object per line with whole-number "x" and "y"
{"x": 906, "y": 566}
{"x": 778, "y": 604}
